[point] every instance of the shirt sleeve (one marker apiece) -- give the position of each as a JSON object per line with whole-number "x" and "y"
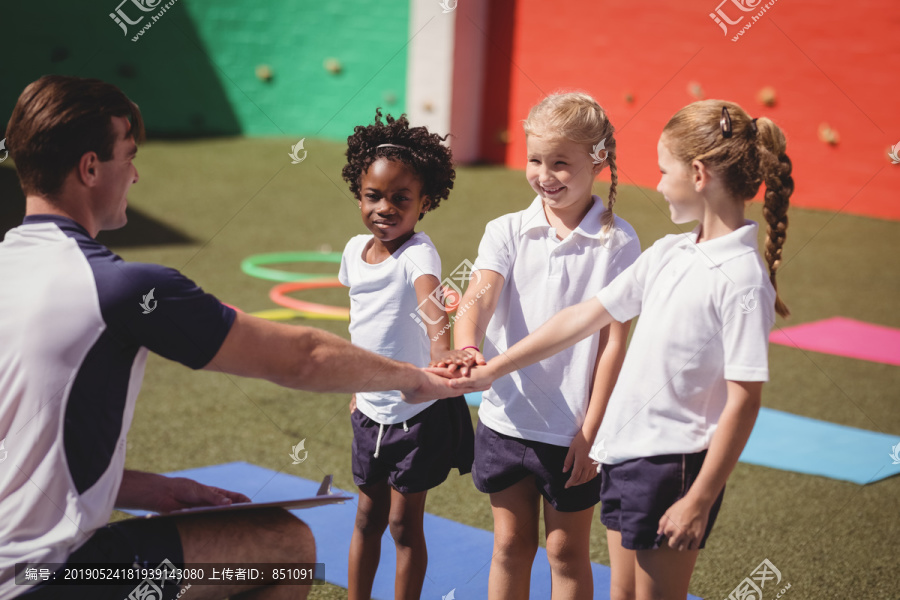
{"x": 623, "y": 258}
{"x": 624, "y": 296}
{"x": 161, "y": 309}
{"x": 748, "y": 315}
{"x": 495, "y": 252}
{"x": 421, "y": 259}
{"x": 343, "y": 273}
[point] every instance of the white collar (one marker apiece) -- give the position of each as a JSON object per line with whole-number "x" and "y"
{"x": 591, "y": 225}
{"x": 723, "y": 248}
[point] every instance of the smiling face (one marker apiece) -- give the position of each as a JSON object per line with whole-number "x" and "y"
{"x": 560, "y": 171}
{"x": 114, "y": 178}
{"x": 678, "y": 186}
{"x": 391, "y": 202}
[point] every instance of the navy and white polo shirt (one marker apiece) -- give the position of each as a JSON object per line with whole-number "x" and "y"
{"x": 76, "y": 322}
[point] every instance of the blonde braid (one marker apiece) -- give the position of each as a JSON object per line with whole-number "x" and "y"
{"x": 608, "y": 216}
{"x": 775, "y": 167}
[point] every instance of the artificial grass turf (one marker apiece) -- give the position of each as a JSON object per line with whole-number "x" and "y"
{"x": 236, "y": 197}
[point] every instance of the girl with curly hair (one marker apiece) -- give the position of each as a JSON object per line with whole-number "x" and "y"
{"x": 397, "y": 174}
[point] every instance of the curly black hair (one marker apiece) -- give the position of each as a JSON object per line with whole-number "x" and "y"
{"x": 413, "y": 146}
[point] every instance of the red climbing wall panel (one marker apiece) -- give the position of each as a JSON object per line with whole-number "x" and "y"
{"x": 833, "y": 62}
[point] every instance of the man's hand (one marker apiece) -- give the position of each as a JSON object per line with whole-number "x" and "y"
{"x": 181, "y": 492}
{"x": 158, "y": 493}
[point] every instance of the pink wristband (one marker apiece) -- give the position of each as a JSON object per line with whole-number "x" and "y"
{"x": 467, "y": 347}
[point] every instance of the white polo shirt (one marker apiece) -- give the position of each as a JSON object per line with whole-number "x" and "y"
{"x": 383, "y": 310}
{"x": 76, "y": 324}
{"x": 706, "y": 311}
{"x": 547, "y": 401}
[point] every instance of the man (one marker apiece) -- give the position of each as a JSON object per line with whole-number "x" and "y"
{"x": 76, "y": 323}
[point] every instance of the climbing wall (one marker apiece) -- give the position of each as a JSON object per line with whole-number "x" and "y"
{"x": 831, "y": 69}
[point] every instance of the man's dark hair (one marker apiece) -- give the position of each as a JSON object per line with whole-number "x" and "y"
{"x": 56, "y": 120}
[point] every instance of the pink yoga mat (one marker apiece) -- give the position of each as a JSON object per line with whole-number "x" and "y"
{"x": 844, "y": 337}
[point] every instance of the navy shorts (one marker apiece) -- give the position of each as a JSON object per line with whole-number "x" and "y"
{"x": 439, "y": 438}
{"x": 637, "y": 493}
{"x": 502, "y": 460}
{"x": 147, "y": 543}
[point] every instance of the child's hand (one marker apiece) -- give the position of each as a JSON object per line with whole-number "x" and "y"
{"x": 352, "y": 403}
{"x": 463, "y": 360}
{"x": 476, "y": 379}
{"x": 684, "y": 524}
{"x": 582, "y": 466}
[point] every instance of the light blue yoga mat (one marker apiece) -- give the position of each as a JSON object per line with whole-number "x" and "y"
{"x": 459, "y": 556}
{"x": 790, "y": 442}
{"x": 794, "y": 443}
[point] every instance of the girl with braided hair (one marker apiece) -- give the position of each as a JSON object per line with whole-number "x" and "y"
{"x": 536, "y": 427}
{"x": 689, "y": 390}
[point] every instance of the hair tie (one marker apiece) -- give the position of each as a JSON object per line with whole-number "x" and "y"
{"x": 753, "y": 127}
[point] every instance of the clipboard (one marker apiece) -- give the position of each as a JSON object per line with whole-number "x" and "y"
{"x": 323, "y": 497}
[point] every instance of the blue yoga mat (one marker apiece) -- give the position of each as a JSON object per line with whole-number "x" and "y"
{"x": 790, "y": 442}
{"x": 794, "y": 443}
{"x": 459, "y": 556}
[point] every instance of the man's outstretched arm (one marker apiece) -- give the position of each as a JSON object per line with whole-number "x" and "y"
{"x": 307, "y": 358}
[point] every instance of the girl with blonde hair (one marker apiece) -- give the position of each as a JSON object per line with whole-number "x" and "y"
{"x": 537, "y": 425}
{"x": 689, "y": 390}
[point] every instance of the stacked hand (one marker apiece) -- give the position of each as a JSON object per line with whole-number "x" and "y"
{"x": 455, "y": 373}
{"x": 467, "y": 369}
{"x": 448, "y": 376}
{"x": 458, "y": 363}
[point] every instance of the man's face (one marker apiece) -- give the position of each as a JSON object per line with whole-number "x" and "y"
{"x": 114, "y": 178}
